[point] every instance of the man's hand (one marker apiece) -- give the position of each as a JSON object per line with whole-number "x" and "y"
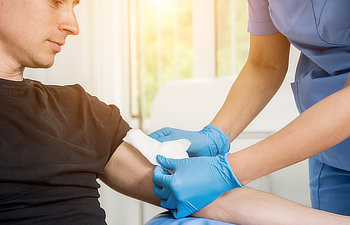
{"x": 196, "y": 182}
{"x": 210, "y": 141}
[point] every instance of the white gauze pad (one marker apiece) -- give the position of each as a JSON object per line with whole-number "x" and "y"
{"x": 150, "y": 147}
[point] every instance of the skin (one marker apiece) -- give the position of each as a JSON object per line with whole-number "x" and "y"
{"x": 127, "y": 171}
{"x": 247, "y": 206}
{"x": 306, "y": 136}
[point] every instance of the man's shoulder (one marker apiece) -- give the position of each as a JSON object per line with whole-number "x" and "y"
{"x": 72, "y": 94}
{"x": 69, "y": 87}
{"x": 58, "y": 89}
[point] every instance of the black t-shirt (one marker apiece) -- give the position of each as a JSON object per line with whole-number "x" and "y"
{"x": 54, "y": 143}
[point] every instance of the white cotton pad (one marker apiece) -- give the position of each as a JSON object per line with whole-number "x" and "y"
{"x": 150, "y": 147}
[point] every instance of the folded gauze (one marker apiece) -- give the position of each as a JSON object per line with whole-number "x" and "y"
{"x": 150, "y": 147}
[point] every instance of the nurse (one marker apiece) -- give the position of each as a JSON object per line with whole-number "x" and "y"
{"x": 320, "y": 29}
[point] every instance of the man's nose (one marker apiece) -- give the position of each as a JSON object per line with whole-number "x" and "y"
{"x": 69, "y": 23}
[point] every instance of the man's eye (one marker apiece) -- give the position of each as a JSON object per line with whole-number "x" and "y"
{"x": 58, "y": 3}
{"x": 75, "y": 3}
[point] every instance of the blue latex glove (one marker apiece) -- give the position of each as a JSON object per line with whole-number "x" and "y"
{"x": 196, "y": 182}
{"x": 210, "y": 141}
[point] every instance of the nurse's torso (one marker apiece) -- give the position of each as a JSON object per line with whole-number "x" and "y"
{"x": 320, "y": 29}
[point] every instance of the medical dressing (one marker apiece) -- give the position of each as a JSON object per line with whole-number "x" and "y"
{"x": 150, "y": 147}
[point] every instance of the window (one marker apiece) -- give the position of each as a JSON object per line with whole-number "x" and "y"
{"x": 232, "y": 38}
{"x": 161, "y": 36}
{"x": 161, "y": 47}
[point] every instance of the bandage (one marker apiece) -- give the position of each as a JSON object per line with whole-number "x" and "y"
{"x": 150, "y": 147}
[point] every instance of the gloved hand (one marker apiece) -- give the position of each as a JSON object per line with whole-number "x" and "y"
{"x": 196, "y": 182}
{"x": 210, "y": 141}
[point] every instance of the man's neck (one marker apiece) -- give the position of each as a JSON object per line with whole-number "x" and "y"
{"x": 9, "y": 70}
{"x": 12, "y": 78}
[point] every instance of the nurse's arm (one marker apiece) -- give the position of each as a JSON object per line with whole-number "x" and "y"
{"x": 322, "y": 126}
{"x": 257, "y": 83}
{"x": 347, "y": 84}
{"x": 248, "y": 206}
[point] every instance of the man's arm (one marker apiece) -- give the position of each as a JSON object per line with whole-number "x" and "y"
{"x": 247, "y": 206}
{"x": 130, "y": 173}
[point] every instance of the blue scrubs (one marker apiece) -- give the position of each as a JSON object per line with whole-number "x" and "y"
{"x": 320, "y": 29}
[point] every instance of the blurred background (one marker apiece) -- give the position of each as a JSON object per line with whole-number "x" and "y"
{"x": 170, "y": 63}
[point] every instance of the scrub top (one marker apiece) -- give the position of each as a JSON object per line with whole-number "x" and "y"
{"x": 320, "y": 29}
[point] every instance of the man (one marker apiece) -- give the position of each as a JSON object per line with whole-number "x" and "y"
{"x": 55, "y": 141}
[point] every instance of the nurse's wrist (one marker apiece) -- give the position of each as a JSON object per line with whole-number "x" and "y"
{"x": 225, "y": 127}
{"x": 241, "y": 166}
{"x": 230, "y": 175}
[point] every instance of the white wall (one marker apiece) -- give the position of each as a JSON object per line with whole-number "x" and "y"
{"x": 204, "y": 57}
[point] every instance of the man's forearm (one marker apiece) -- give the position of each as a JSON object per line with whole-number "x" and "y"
{"x": 247, "y": 206}
{"x": 130, "y": 173}
{"x": 320, "y": 127}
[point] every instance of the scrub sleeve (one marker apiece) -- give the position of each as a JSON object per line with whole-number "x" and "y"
{"x": 323, "y": 39}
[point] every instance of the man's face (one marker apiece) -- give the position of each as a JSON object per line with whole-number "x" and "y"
{"x": 32, "y": 31}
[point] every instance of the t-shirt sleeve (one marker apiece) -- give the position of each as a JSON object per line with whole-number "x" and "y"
{"x": 260, "y": 22}
{"x": 112, "y": 124}
{"x": 120, "y": 128}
